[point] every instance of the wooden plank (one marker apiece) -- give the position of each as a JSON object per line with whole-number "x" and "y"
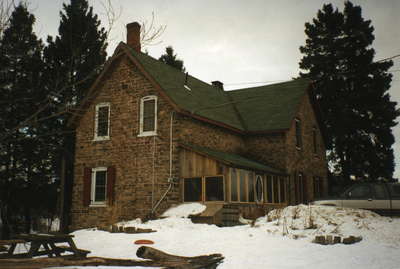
{"x": 12, "y": 241}
{"x": 12, "y": 248}
{"x": 34, "y": 250}
{"x": 182, "y": 163}
{"x": 199, "y": 164}
{"x": 211, "y": 210}
{"x": 190, "y": 164}
{"x": 55, "y": 249}
{"x": 47, "y": 237}
{"x": 77, "y": 250}
{"x": 48, "y": 251}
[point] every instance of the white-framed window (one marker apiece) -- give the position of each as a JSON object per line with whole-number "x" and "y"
{"x": 102, "y": 122}
{"x": 98, "y": 193}
{"x": 148, "y": 116}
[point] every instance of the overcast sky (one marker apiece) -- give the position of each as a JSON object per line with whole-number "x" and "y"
{"x": 237, "y": 41}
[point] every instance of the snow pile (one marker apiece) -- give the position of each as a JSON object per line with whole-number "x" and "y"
{"x": 184, "y": 210}
{"x": 262, "y": 245}
{"x": 308, "y": 221}
{"x": 173, "y": 218}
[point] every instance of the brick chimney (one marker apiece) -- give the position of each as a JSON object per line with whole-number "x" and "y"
{"x": 218, "y": 84}
{"x": 133, "y": 35}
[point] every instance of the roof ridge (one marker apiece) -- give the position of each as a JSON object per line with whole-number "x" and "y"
{"x": 201, "y": 99}
{"x": 166, "y": 65}
{"x": 255, "y": 109}
{"x": 236, "y": 110}
{"x": 272, "y": 85}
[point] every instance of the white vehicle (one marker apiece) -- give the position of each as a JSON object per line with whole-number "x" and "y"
{"x": 382, "y": 198}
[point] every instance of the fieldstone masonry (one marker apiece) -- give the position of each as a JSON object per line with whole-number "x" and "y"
{"x": 142, "y": 163}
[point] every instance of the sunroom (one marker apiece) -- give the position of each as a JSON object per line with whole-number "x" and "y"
{"x": 214, "y": 177}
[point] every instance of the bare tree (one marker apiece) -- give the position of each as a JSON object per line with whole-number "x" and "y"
{"x": 150, "y": 33}
{"x": 6, "y": 7}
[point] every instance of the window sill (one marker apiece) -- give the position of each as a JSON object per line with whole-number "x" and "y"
{"x": 101, "y": 138}
{"x": 98, "y": 205}
{"x": 147, "y": 134}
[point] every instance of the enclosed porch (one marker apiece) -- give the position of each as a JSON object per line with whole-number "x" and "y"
{"x": 230, "y": 185}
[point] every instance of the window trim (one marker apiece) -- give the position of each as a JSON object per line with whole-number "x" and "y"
{"x": 96, "y": 122}
{"x": 141, "y": 121}
{"x": 276, "y": 198}
{"x": 93, "y": 203}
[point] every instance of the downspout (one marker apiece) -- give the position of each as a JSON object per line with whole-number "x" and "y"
{"x": 170, "y": 179}
{"x": 153, "y": 171}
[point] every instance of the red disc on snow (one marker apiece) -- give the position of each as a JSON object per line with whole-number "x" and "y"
{"x": 144, "y": 242}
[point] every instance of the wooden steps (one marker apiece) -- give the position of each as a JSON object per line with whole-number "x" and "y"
{"x": 212, "y": 215}
{"x": 230, "y": 215}
{"x": 223, "y": 215}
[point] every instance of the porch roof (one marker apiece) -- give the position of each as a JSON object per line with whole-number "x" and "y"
{"x": 233, "y": 160}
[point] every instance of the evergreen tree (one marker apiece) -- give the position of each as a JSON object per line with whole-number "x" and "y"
{"x": 352, "y": 90}
{"x": 171, "y": 59}
{"x": 24, "y": 156}
{"x": 73, "y": 61}
{"x": 75, "y": 57}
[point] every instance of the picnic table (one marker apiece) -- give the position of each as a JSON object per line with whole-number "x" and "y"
{"x": 46, "y": 241}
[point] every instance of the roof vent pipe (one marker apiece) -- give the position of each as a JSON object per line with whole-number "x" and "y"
{"x": 133, "y": 35}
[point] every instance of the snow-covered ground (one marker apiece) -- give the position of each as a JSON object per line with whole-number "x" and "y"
{"x": 283, "y": 239}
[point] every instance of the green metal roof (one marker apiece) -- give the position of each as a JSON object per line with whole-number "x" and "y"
{"x": 270, "y": 107}
{"x": 233, "y": 160}
{"x": 202, "y": 99}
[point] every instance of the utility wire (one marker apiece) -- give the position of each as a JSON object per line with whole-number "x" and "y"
{"x": 389, "y": 58}
{"x": 255, "y": 82}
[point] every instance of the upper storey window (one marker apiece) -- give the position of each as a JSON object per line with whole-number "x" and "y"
{"x": 148, "y": 116}
{"x": 102, "y": 122}
{"x": 299, "y": 142}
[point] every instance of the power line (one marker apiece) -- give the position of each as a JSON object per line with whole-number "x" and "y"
{"x": 389, "y": 58}
{"x": 255, "y": 82}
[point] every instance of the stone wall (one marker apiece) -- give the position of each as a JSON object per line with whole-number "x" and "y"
{"x": 142, "y": 163}
{"x": 304, "y": 160}
{"x": 267, "y": 148}
{"x": 204, "y": 134}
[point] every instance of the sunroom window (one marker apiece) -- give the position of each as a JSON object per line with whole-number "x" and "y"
{"x": 214, "y": 188}
{"x": 193, "y": 189}
{"x": 259, "y": 189}
{"x": 207, "y": 189}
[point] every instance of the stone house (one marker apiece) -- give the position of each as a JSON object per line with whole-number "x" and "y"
{"x": 151, "y": 136}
